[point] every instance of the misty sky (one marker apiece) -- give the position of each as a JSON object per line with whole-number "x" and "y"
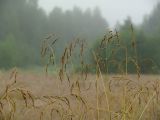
{"x": 112, "y": 10}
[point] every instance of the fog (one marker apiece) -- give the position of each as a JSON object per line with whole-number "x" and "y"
{"x": 112, "y": 10}
{"x": 24, "y": 24}
{"x": 79, "y": 59}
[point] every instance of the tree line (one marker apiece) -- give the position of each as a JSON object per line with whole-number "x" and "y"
{"x": 23, "y": 25}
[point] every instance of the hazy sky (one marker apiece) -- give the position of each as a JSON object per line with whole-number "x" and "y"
{"x": 112, "y": 10}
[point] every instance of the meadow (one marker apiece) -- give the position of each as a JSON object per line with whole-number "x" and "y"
{"x": 116, "y": 97}
{"x": 73, "y": 64}
{"x": 82, "y": 95}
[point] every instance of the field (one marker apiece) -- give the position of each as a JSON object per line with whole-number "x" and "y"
{"x": 77, "y": 90}
{"x": 32, "y": 96}
{"x": 92, "y": 60}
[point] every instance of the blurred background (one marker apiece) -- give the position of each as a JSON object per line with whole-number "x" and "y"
{"x": 25, "y": 23}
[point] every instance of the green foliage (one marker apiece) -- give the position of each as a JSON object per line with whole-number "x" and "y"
{"x": 142, "y": 49}
{"x": 9, "y": 52}
{"x": 23, "y": 26}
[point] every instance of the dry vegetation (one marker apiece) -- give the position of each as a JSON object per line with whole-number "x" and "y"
{"x": 81, "y": 96}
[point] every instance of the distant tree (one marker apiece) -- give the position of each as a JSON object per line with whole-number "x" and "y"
{"x": 26, "y": 24}
{"x": 151, "y": 29}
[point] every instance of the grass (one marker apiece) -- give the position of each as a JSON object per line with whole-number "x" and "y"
{"x": 80, "y": 96}
{"x": 121, "y": 99}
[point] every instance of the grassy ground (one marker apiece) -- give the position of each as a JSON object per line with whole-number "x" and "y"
{"x": 64, "y": 95}
{"x": 37, "y": 96}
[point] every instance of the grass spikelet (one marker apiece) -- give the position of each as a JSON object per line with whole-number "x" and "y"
{"x": 104, "y": 89}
